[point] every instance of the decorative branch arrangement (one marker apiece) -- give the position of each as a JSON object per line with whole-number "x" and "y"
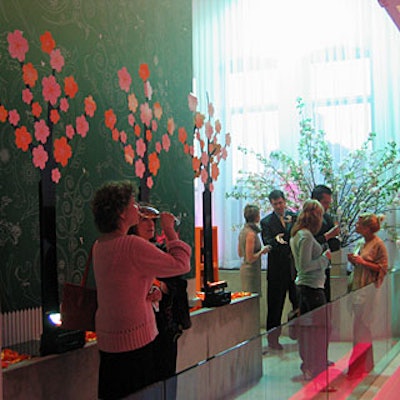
{"x": 140, "y": 143}
{"x": 47, "y": 107}
{"x": 206, "y": 151}
{"x": 366, "y": 180}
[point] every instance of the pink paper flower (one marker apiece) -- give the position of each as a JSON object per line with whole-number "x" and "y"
{"x": 125, "y": 79}
{"x": 145, "y": 114}
{"x": 82, "y": 126}
{"x": 123, "y": 137}
{"x": 69, "y": 131}
{"x": 64, "y": 104}
{"x": 209, "y": 130}
{"x": 158, "y": 147}
{"x": 56, "y": 60}
{"x": 148, "y": 90}
{"x": 204, "y": 158}
{"x": 132, "y": 102}
{"x": 228, "y": 139}
{"x": 55, "y": 175}
{"x": 27, "y": 96}
{"x": 149, "y": 182}
{"x": 192, "y": 101}
{"x": 131, "y": 119}
{"x": 13, "y": 117}
{"x": 170, "y": 126}
{"x": 90, "y": 106}
{"x": 158, "y": 111}
{"x": 39, "y": 157}
{"x": 17, "y": 45}
{"x": 129, "y": 154}
{"x": 139, "y": 168}
{"x": 140, "y": 147}
{"x": 166, "y": 142}
{"x": 42, "y": 131}
{"x": 154, "y": 125}
{"x": 51, "y": 90}
{"x": 204, "y": 175}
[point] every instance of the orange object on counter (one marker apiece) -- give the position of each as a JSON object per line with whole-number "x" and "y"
{"x": 9, "y": 357}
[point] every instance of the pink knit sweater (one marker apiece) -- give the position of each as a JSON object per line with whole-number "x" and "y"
{"x": 124, "y": 269}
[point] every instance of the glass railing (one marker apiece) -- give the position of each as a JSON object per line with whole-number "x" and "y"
{"x": 335, "y": 350}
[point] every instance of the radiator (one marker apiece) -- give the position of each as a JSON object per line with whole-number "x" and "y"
{"x": 21, "y": 326}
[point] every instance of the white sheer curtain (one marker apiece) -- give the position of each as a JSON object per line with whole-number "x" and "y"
{"x": 255, "y": 57}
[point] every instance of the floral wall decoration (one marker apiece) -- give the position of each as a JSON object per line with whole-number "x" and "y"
{"x": 206, "y": 151}
{"x": 365, "y": 180}
{"x": 47, "y": 101}
{"x": 142, "y": 142}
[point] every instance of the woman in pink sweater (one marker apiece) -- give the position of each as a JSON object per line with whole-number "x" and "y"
{"x": 125, "y": 267}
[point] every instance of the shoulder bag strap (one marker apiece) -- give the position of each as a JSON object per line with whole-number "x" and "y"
{"x": 87, "y": 266}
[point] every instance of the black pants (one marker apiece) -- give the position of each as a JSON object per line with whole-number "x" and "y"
{"x": 121, "y": 374}
{"x": 275, "y": 302}
{"x": 314, "y": 330}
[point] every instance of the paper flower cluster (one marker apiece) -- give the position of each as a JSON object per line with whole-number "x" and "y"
{"x": 140, "y": 141}
{"x": 45, "y": 133}
{"x": 206, "y": 150}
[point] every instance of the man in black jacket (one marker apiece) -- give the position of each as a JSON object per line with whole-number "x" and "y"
{"x": 327, "y": 236}
{"x": 275, "y": 231}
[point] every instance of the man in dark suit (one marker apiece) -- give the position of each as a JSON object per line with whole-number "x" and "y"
{"x": 275, "y": 231}
{"x": 327, "y": 236}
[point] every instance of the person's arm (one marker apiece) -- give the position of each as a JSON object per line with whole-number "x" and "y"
{"x": 267, "y": 233}
{"x": 377, "y": 260}
{"x": 155, "y": 262}
{"x": 307, "y": 262}
{"x": 251, "y": 256}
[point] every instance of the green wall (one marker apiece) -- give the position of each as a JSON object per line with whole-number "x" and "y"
{"x": 97, "y": 38}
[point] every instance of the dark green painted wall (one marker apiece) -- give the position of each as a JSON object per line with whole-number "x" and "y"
{"x": 97, "y": 38}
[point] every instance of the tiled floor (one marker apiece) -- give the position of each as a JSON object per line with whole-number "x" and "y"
{"x": 282, "y": 378}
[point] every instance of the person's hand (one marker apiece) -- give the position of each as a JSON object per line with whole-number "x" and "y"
{"x": 355, "y": 259}
{"x": 167, "y": 221}
{"x": 327, "y": 253}
{"x": 333, "y": 232}
{"x": 266, "y": 249}
{"x": 279, "y": 238}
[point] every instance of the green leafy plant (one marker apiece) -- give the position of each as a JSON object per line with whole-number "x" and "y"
{"x": 365, "y": 180}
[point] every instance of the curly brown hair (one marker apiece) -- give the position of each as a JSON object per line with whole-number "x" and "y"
{"x": 109, "y": 202}
{"x": 372, "y": 221}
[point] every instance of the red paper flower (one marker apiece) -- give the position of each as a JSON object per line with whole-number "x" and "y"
{"x": 70, "y": 86}
{"x": 90, "y": 106}
{"x": 3, "y": 114}
{"x": 36, "y": 109}
{"x": 110, "y": 119}
{"x": 62, "y": 151}
{"x": 23, "y": 138}
{"x": 144, "y": 72}
{"x": 48, "y": 43}
{"x": 154, "y": 163}
{"x": 29, "y": 74}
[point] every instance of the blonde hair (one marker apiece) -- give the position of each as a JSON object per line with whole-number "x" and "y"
{"x": 372, "y": 221}
{"x": 310, "y": 217}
